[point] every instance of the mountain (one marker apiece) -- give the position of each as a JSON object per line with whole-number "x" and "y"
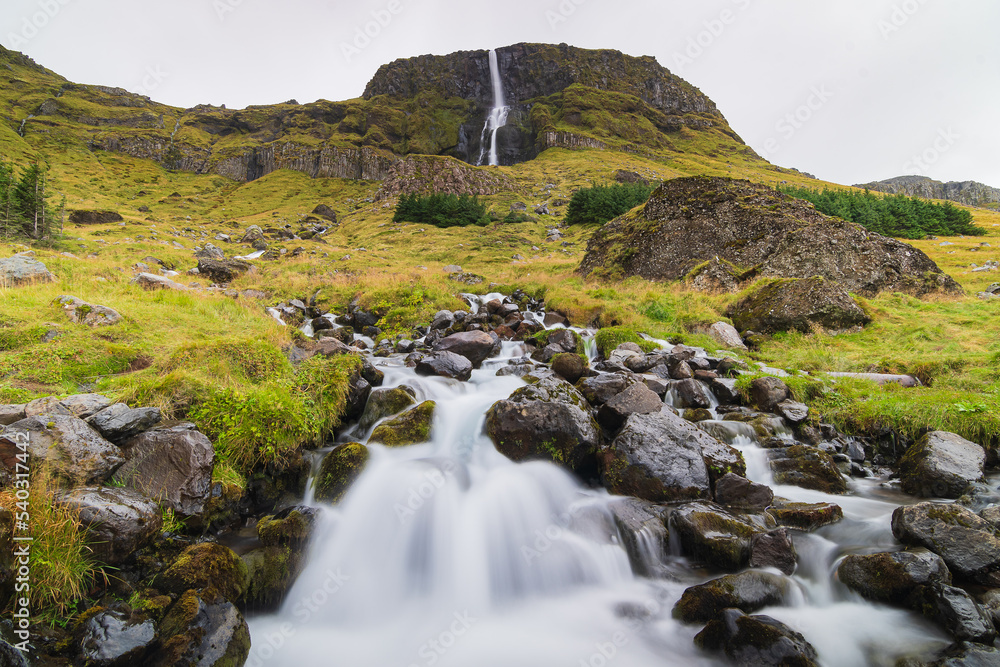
{"x": 560, "y": 97}
{"x": 969, "y": 193}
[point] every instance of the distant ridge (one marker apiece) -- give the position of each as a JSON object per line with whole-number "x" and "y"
{"x": 969, "y": 193}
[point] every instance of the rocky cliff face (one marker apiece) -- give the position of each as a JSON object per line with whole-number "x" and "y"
{"x": 762, "y": 232}
{"x": 969, "y": 193}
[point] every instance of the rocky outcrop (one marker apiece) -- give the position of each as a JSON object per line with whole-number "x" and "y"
{"x": 969, "y": 193}
{"x": 94, "y": 217}
{"x": 21, "y": 270}
{"x": 797, "y": 305}
{"x": 689, "y": 221}
{"x": 423, "y": 174}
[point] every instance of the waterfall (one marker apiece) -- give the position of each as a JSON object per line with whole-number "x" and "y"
{"x": 24, "y": 122}
{"x": 497, "y": 117}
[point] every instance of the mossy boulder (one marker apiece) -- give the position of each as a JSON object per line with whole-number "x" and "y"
{"x": 609, "y": 338}
{"x": 569, "y": 366}
{"x": 383, "y": 403}
{"x": 546, "y": 420}
{"x": 892, "y": 577}
{"x": 808, "y": 467}
{"x": 941, "y": 465}
{"x": 797, "y": 305}
{"x": 339, "y": 469}
{"x": 272, "y": 571}
{"x": 710, "y": 534}
{"x": 805, "y": 516}
{"x": 760, "y": 641}
{"x": 410, "y": 428}
{"x": 747, "y": 591}
{"x": 969, "y": 544}
{"x": 202, "y": 631}
{"x": 212, "y": 568}
{"x": 290, "y": 527}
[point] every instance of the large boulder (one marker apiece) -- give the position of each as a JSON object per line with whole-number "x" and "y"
{"x": 223, "y": 270}
{"x": 891, "y": 577}
{"x": 208, "y": 567}
{"x": 710, "y": 534}
{"x": 151, "y": 281}
{"x": 546, "y": 420}
{"x": 648, "y": 462}
{"x": 956, "y": 611}
{"x": 689, "y": 221}
{"x": 119, "y": 422}
{"x": 808, "y": 467}
{"x": 121, "y": 521}
{"x": 85, "y": 217}
{"x": 767, "y": 393}
{"x": 77, "y": 453}
{"x": 797, "y": 304}
{"x": 804, "y": 516}
{"x": 383, "y": 403}
{"x": 271, "y": 572}
{"x": 747, "y": 591}
{"x": 172, "y": 464}
{"x": 941, "y": 465}
{"x": 644, "y": 534}
{"x": 969, "y": 544}
{"x": 445, "y": 364}
{"x": 476, "y": 346}
{"x": 111, "y": 638}
{"x": 81, "y": 312}
{"x": 637, "y": 399}
{"x": 756, "y": 641}
{"x": 18, "y": 270}
{"x": 85, "y": 405}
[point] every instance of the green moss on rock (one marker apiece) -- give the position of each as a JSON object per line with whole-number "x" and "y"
{"x": 209, "y": 567}
{"x": 409, "y": 428}
{"x": 338, "y": 471}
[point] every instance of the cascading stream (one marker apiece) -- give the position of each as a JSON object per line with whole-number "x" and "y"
{"x": 447, "y": 553}
{"x": 497, "y": 117}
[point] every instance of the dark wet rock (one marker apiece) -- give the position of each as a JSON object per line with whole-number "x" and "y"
{"x": 679, "y": 369}
{"x": 708, "y": 533}
{"x": 224, "y": 270}
{"x": 892, "y": 577}
{"x": 691, "y": 394}
{"x": 798, "y": 305}
{"x": 747, "y": 591}
{"x": 383, "y": 403}
{"x": 767, "y": 392}
{"x": 956, "y": 611}
{"x": 443, "y": 319}
{"x": 941, "y": 465}
{"x": 756, "y": 641}
{"x": 208, "y": 567}
{"x": 410, "y": 428}
{"x": 725, "y": 390}
{"x": 476, "y": 346}
{"x": 805, "y": 516}
{"x": 564, "y": 338}
{"x": 518, "y": 370}
{"x": 338, "y": 471}
{"x": 569, "y": 366}
{"x": 967, "y": 654}
{"x": 793, "y": 412}
{"x": 807, "y": 467}
{"x": 119, "y": 422}
{"x": 969, "y": 544}
{"x": 774, "y": 549}
{"x": 111, "y": 639}
{"x": 645, "y": 461}
{"x": 644, "y": 534}
{"x": 172, "y": 464}
{"x": 76, "y": 453}
{"x": 737, "y": 491}
{"x": 636, "y": 399}
{"x": 204, "y": 632}
{"x": 271, "y": 572}
{"x": 120, "y": 521}
{"x": 445, "y": 364}
{"x": 602, "y": 388}
{"x": 546, "y": 420}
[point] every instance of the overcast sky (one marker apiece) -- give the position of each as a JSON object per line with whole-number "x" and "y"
{"x": 849, "y": 90}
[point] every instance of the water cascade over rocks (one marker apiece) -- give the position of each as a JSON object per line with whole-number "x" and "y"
{"x": 448, "y": 553}
{"x": 497, "y": 117}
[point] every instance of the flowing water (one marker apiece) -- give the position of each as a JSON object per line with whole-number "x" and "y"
{"x": 447, "y": 553}
{"x": 497, "y": 117}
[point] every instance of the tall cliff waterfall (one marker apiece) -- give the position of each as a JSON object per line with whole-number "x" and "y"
{"x": 497, "y": 117}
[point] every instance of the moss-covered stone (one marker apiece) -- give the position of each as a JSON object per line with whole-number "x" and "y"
{"x": 272, "y": 571}
{"x": 409, "y": 428}
{"x": 807, "y": 467}
{"x": 609, "y": 338}
{"x": 208, "y": 567}
{"x": 286, "y": 528}
{"x": 569, "y": 366}
{"x": 747, "y": 591}
{"x": 710, "y": 534}
{"x": 338, "y": 471}
{"x": 385, "y": 402}
{"x": 805, "y": 516}
{"x": 202, "y": 631}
